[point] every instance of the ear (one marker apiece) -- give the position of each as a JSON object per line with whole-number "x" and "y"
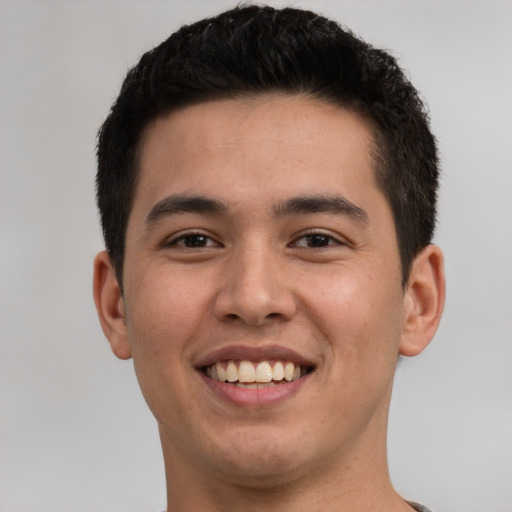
{"x": 110, "y": 305}
{"x": 424, "y": 301}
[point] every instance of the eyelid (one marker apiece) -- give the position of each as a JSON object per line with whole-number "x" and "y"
{"x": 171, "y": 241}
{"x": 340, "y": 240}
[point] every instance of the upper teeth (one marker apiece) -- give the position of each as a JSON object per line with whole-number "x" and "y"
{"x": 247, "y": 371}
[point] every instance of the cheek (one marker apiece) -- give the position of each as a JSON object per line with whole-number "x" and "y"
{"x": 359, "y": 316}
{"x": 169, "y": 308}
{"x": 162, "y": 323}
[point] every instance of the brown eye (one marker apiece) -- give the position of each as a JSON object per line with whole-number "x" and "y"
{"x": 317, "y": 240}
{"x": 194, "y": 241}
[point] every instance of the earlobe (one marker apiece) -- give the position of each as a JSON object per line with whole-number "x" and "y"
{"x": 110, "y": 306}
{"x": 424, "y": 301}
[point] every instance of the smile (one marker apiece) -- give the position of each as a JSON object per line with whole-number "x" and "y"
{"x": 255, "y": 375}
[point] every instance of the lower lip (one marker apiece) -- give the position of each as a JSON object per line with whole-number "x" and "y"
{"x": 255, "y": 398}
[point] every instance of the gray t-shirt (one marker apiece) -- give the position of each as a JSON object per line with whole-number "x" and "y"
{"x": 418, "y": 507}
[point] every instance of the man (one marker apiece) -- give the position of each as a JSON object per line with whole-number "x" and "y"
{"x": 267, "y": 188}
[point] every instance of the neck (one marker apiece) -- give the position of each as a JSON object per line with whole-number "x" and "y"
{"x": 355, "y": 482}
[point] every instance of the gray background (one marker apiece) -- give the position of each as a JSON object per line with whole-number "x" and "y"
{"x": 75, "y": 434}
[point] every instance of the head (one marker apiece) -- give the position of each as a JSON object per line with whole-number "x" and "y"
{"x": 253, "y": 51}
{"x": 268, "y": 181}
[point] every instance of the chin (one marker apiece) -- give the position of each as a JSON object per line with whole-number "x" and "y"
{"x": 263, "y": 472}
{"x": 258, "y": 460}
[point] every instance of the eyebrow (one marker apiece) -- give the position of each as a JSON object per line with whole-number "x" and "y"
{"x": 300, "y": 205}
{"x": 176, "y": 204}
{"x": 310, "y": 204}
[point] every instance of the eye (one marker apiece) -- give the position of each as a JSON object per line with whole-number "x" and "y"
{"x": 194, "y": 241}
{"x": 315, "y": 240}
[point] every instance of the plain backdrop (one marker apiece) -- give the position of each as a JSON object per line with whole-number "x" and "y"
{"x": 75, "y": 433}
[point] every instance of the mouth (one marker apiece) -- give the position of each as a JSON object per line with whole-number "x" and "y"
{"x": 256, "y": 374}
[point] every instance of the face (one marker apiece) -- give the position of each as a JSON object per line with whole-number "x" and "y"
{"x": 260, "y": 248}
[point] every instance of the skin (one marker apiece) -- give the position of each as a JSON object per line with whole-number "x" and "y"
{"x": 261, "y": 280}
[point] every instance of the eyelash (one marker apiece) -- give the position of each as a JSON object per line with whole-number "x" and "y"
{"x": 184, "y": 236}
{"x": 331, "y": 240}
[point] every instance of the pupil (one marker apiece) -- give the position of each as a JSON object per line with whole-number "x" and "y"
{"x": 195, "y": 241}
{"x": 317, "y": 240}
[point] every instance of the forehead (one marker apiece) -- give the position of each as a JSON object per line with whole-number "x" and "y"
{"x": 282, "y": 141}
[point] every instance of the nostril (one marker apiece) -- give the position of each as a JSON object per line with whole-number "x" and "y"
{"x": 272, "y": 316}
{"x": 254, "y": 305}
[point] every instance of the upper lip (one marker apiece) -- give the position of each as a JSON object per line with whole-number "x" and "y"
{"x": 253, "y": 353}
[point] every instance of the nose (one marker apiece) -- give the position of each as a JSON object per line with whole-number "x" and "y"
{"x": 254, "y": 288}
